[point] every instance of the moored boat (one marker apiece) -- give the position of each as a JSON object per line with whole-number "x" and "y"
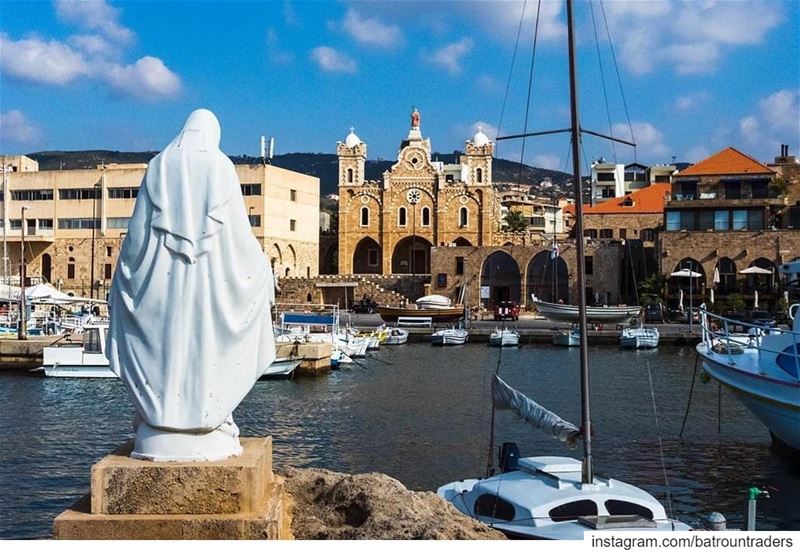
{"x": 396, "y": 337}
{"x": 568, "y": 338}
{"x": 639, "y": 337}
{"x": 561, "y": 312}
{"x": 437, "y": 315}
{"x": 283, "y": 367}
{"x": 504, "y": 338}
{"x": 449, "y": 337}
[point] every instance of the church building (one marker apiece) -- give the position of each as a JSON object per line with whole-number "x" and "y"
{"x": 389, "y": 227}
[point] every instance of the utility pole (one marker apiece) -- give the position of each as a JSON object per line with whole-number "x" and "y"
{"x": 22, "y": 328}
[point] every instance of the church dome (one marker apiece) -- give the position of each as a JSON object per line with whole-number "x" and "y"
{"x": 480, "y": 139}
{"x": 352, "y": 139}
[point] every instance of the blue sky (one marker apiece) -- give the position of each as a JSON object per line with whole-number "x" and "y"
{"x": 697, "y": 76}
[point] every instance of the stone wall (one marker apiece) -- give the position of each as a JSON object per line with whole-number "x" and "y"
{"x": 633, "y": 224}
{"x": 320, "y": 290}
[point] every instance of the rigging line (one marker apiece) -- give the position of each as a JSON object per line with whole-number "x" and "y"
{"x": 510, "y": 74}
{"x": 691, "y": 390}
{"x": 602, "y": 79}
{"x": 619, "y": 78}
{"x": 660, "y": 445}
{"x": 530, "y": 89}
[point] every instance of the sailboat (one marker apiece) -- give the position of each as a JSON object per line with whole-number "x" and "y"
{"x": 553, "y": 497}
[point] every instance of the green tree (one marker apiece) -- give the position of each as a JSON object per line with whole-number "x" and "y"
{"x": 651, "y": 289}
{"x": 516, "y": 221}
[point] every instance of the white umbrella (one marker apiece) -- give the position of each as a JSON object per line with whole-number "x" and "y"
{"x": 754, "y": 271}
{"x": 755, "y": 299}
{"x": 686, "y": 273}
{"x": 716, "y": 276}
{"x": 711, "y": 296}
{"x": 680, "y": 301}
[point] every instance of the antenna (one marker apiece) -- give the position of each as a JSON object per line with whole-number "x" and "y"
{"x": 271, "y": 147}
{"x": 263, "y": 148}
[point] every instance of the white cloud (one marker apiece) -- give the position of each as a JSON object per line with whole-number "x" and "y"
{"x": 689, "y": 37}
{"x": 690, "y": 101}
{"x": 649, "y": 140}
{"x": 277, "y": 55}
{"x": 501, "y": 18}
{"x": 548, "y": 161}
{"x": 15, "y": 128}
{"x": 289, "y": 15}
{"x": 95, "y": 15}
{"x": 695, "y": 154}
{"x": 332, "y": 61}
{"x": 39, "y": 61}
{"x": 147, "y": 79}
{"x": 776, "y": 121}
{"x": 371, "y": 31}
{"x": 450, "y": 56}
{"x": 93, "y": 46}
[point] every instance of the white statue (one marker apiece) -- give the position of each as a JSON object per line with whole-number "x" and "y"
{"x": 190, "y": 325}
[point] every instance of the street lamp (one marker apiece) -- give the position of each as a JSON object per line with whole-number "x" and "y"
{"x": 22, "y": 328}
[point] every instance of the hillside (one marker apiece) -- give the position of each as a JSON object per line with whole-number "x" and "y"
{"x": 324, "y": 166}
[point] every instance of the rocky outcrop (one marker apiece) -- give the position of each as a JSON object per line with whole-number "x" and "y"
{"x": 332, "y": 505}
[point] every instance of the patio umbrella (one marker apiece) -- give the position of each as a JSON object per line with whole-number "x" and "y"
{"x": 680, "y": 301}
{"x": 755, "y": 299}
{"x": 716, "y": 276}
{"x": 754, "y": 271}
{"x": 686, "y": 273}
{"x": 711, "y": 296}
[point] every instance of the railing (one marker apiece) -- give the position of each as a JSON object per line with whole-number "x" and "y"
{"x": 719, "y": 328}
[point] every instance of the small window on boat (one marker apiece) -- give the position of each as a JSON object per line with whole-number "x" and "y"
{"x": 492, "y": 506}
{"x": 91, "y": 341}
{"x": 573, "y": 510}
{"x": 617, "y": 507}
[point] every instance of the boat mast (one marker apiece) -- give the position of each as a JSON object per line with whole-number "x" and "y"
{"x": 575, "y": 131}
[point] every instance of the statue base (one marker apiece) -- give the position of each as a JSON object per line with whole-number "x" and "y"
{"x": 153, "y": 444}
{"x": 236, "y": 498}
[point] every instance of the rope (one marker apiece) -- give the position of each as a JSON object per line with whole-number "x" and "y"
{"x": 691, "y": 390}
{"x": 510, "y": 74}
{"x": 602, "y": 80}
{"x": 660, "y": 445}
{"x": 530, "y": 90}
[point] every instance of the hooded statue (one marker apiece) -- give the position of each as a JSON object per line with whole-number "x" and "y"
{"x": 189, "y": 305}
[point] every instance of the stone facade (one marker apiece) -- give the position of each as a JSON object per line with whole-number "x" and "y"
{"x": 60, "y": 207}
{"x": 390, "y": 227}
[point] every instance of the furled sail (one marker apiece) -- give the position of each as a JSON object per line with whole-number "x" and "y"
{"x": 507, "y": 398}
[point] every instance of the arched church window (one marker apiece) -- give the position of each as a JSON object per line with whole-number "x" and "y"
{"x": 479, "y": 174}
{"x": 463, "y": 217}
{"x": 364, "y": 216}
{"x": 71, "y": 268}
{"x": 349, "y": 175}
{"x": 426, "y": 217}
{"x": 401, "y": 217}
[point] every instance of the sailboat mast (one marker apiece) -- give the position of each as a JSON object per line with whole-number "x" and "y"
{"x": 586, "y": 423}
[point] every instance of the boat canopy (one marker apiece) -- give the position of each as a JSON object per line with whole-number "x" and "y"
{"x": 308, "y": 319}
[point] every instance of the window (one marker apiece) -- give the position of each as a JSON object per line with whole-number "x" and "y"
{"x": 71, "y": 268}
{"x": 117, "y": 222}
{"x": 252, "y": 189}
{"x": 463, "y": 217}
{"x": 479, "y": 174}
{"x": 623, "y": 233}
{"x": 739, "y": 219}
{"x": 107, "y": 271}
{"x": 705, "y": 220}
{"x": 401, "y": 217}
{"x": 573, "y": 510}
{"x": 426, "y": 216}
{"x": 79, "y": 193}
{"x": 755, "y": 219}
{"x": 349, "y": 175}
{"x": 459, "y": 265}
{"x": 648, "y": 235}
{"x": 605, "y": 177}
{"x": 537, "y": 222}
{"x": 372, "y": 257}
{"x": 293, "y": 195}
{"x": 733, "y": 190}
{"x": 15, "y": 224}
{"x": 31, "y": 224}
{"x": 292, "y": 225}
{"x": 78, "y": 224}
{"x": 759, "y": 189}
{"x": 590, "y": 233}
{"x": 91, "y": 340}
{"x": 589, "y": 264}
{"x": 109, "y": 251}
{"x": 364, "y": 216}
{"x": 449, "y": 178}
{"x": 255, "y": 220}
{"x": 721, "y": 221}
{"x": 492, "y": 506}
{"x": 32, "y": 195}
{"x": 45, "y": 224}
{"x": 661, "y": 178}
{"x": 128, "y": 193}
{"x": 606, "y": 233}
{"x": 618, "y": 507}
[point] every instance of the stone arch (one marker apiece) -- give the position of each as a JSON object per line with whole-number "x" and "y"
{"x": 293, "y": 258}
{"x": 367, "y": 258}
{"x": 412, "y": 255}
{"x": 461, "y": 241}
{"x": 548, "y": 277}
{"x": 762, "y": 282}
{"x": 330, "y": 260}
{"x": 279, "y": 257}
{"x": 726, "y": 268}
{"x": 693, "y": 288}
{"x": 500, "y": 272}
{"x": 47, "y": 267}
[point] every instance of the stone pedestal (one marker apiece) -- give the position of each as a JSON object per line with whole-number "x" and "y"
{"x": 237, "y": 498}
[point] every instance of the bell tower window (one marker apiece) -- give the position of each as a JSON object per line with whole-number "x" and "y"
{"x": 365, "y": 216}
{"x": 463, "y": 217}
{"x": 426, "y": 217}
{"x": 350, "y": 175}
{"x": 401, "y": 217}
{"x": 479, "y": 174}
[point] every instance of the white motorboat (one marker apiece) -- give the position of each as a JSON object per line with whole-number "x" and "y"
{"x": 556, "y": 497}
{"x": 80, "y": 361}
{"x": 562, "y": 312}
{"x": 396, "y": 337}
{"x": 504, "y": 338}
{"x": 434, "y": 301}
{"x": 449, "y": 337}
{"x": 568, "y": 338}
{"x": 282, "y": 367}
{"x": 639, "y": 337}
{"x": 338, "y": 357}
{"x": 761, "y": 367}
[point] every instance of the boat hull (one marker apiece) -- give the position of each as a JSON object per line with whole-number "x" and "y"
{"x": 78, "y": 371}
{"x": 280, "y": 369}
{"x": 567, "y": 339}
{"x": 440, "y": 315}
{"x": 504, "y": 340}
{"x": 449, "y": 339}
{"x": 601, "y": 315}
{"x": 639, "y": 338}
{"x": 397, "y": 337}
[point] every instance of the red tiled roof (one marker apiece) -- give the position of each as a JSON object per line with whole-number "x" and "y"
{"x": 729, "y": 161}
{"x": 650, "y": 199}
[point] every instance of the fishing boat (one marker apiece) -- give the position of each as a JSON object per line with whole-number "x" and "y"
{"x": 569, "y": 338}
{"x": 281, "y": 368}
{"x": 556, "y": 497}
{"x": 437, "y": 315}
{"x": 565, "y": 313}
{"x": 640, "y": 337}
{"x": 434, "y": 301}
{"x": 761, "y": 366}
{"x": 504, "y": 338}
{"x": 396, "y": 337}
{"x": 87, "y": 360}
{"x": 449, "y": 337}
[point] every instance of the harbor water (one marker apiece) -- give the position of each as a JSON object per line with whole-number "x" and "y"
{"x": 421, "y": 414}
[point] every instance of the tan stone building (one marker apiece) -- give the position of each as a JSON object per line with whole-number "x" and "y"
{"x": 389, "y": 227}
{"x": 72, "y": 216}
